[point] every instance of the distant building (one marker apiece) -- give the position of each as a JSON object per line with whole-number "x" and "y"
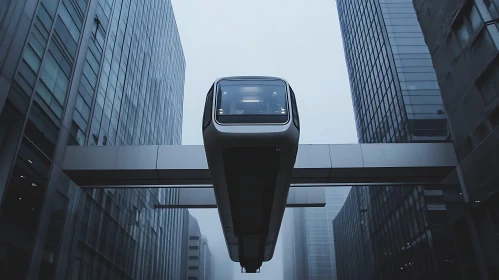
{"x": 463, "y": 39}
{"x": 393, "y": 232}
{"x": 295, "y": 260}
{"x": 207, "y": 265}
{"x": 199, "y": 259}
{"x": 308, "y": 241}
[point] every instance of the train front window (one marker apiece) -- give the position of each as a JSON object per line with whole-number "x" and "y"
{"x": 252, "y": 101}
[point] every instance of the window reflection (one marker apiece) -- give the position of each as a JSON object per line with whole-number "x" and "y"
{"x": 242, "y": 98}
{"x": 246, "y": 101}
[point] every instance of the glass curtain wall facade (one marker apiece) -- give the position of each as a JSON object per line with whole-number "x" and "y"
{"x": 88, "y": 72}
{"x": 351, "y": 249}
{"x": 310, "y": 230}
{"x": 295, "y": 259}
{"x": 396, "y": 97}
{"x": 463, "y": 37}
{"x": 394, "y": 89}
{"x": 319, "y": 235}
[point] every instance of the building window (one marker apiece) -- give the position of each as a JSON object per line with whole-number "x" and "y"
{"x": 488, "y": 84}
{"x": 193, "y": 247}
{"x": 469, "y": 25}
{"x": 192, "y": 267}
{"x": 193, "y": 258}
{"x": 494, "y": 118}
{"x": 493, "y": 6}
{"x": 463, "y": 33}
{"x": 193, "y": 237}
{"x": 475, "y": 19}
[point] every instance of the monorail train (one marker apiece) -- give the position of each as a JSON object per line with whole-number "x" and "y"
{"x": 250, "y": 131}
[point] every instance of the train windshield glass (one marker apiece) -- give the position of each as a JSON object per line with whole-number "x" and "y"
{"x": 258, "y": 98}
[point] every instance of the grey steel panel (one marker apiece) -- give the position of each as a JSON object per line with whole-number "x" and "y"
{"x": 373, "y": 155}
{"x": 137, "y": 158}
{"x": 197, "y": 198}
{"x": 408, "y": 155}
{"x": 91, "y": 158}
{"x": 300, "y": 195}
{"x": 152, "y": 186}
{"x": 95, "y": 165}
{"x": 346, "y": 155}
{"x": 313, "y": 156}
{"x": 137, "y": 162}
{"x": 316, "y": 195}
{"x": 411, "y": 154}
{"x": 205, "y": 198}
{"x": 302, "y": 185}
{"x": 397, "y": 155}
{"x": 346, "y": 159}
{"x": 312, "y": 164}
{"x": 179, "y": 162}
{"x": 291, "y": 196}
{"x": 181, "y": 157}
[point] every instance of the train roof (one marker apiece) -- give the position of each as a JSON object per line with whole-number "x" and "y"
{"x": 252, "y": 78}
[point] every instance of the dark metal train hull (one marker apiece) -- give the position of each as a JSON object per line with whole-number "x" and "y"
{"x": 251, "y": 166}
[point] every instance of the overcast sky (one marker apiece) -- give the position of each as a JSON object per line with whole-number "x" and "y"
{"x": 297, "y": 40}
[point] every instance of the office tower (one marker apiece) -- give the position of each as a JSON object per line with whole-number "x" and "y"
{"x": 199, "y": 262}
{"x": 352, "y": 250}
{"x": 335, "y": 199}
{"x": 295, "y": 260}
{"x": 308, "y": 239}
{"x": 94, "y": 72}
{"x": 396, "y": 98}
{"x": 463, "y": 39}
{"x": 208, "y": 265}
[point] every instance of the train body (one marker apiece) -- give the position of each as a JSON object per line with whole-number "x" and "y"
{"x": 251, "y": 130}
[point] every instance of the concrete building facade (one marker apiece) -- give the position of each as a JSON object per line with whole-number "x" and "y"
{"x": 463, "y": 40}
{"x": 200, "y": 264}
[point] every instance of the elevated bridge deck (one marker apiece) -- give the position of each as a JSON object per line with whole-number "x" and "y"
{"x": 185, "y": 165}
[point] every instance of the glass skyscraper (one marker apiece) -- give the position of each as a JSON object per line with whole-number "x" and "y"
{"x": 399, "y": 232}
{"x": 87, "y": 72}
{"x": 394, "y": 89}
{"x": 295, "y": 259}
{"x": 308, "y": 239}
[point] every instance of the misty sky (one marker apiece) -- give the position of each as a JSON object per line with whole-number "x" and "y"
{"x": 297, "y": 40}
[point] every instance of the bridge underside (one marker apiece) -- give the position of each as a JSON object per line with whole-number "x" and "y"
{"x": 205, "y": 198}
{"x": 343, "y": 164}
